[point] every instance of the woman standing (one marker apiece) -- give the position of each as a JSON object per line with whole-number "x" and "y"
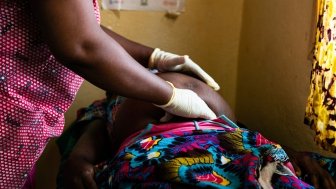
{"x": 47, "y": 48}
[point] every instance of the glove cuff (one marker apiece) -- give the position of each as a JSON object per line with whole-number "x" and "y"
{"x": 171, "y": 98}
{"x": 152, "y": 58}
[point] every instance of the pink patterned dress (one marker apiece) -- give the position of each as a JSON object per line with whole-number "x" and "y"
{"x": 35, "y": 91}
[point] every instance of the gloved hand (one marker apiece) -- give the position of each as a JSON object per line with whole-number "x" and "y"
{"x": 186, "y": 103}
{"x": 165, "y": 61}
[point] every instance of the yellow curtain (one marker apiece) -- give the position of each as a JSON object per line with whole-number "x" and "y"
{"x": 321, "y": 108}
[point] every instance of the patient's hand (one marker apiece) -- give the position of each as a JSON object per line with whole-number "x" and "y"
{"x": 90, "y": 149}
{"x": 79, "y": 174}
{"x": 310, "y": 171}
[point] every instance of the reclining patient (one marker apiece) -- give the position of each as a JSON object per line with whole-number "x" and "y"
{"x": 182, "y": 153}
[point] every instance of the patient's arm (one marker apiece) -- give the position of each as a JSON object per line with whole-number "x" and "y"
{"x": 310, "y": 170}
{"x": 134, "y": 115}
{"x": 90, "y": 149}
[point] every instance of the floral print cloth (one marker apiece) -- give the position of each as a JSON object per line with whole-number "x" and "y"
{"x": 169, "y": 155}
{"x": 320, "y": 112}
{"x": 201, "y": 150}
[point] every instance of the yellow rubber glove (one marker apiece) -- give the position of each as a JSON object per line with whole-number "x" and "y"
{"x": 165, "y": 62}
{"x": 186, "y": 103}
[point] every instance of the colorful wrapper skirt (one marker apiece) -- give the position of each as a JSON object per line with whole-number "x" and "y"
{"x": 197, "y": 154}
{"x": 203, "y": 154}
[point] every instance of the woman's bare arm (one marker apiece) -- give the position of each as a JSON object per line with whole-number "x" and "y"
{"x": 90, "y": 149}
{"x": 139, "y": 52}
{"x": 78, "y": 42}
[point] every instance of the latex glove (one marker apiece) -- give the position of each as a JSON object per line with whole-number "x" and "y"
{"x": 186, "y": 103}
{"x": 165, "y": 61}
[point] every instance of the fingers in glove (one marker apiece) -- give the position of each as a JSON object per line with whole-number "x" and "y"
{"x": 196, "y": 69}
{"x": 171, "y": 64}
{"x": 186, "y": 103}
{"x": 207, "y": 113}
{"x": 165, "y": 61}
{"x": 201, "y": 109}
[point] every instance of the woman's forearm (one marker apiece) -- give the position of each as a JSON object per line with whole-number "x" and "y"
{"x": 79, "y": 43}
{"x": 139, "y": 52}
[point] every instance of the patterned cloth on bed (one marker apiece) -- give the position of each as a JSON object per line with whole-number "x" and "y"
{"x": 237, "y": 150}
{"x": 167, "y": 155}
